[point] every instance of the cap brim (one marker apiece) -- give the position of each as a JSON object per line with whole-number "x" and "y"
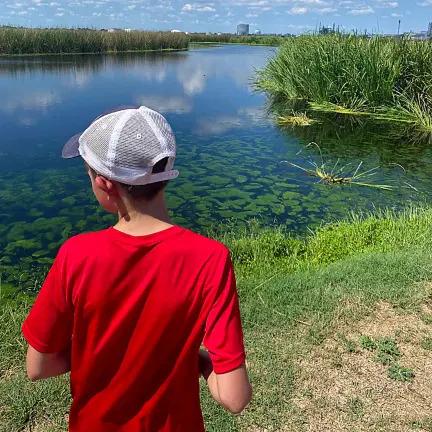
{"x": 71, "y": 148}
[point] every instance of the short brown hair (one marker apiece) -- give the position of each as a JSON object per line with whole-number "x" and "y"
{"x": 144, "y": 192}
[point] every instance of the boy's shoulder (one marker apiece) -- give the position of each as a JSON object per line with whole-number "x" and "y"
{"x": 83, "y": 245}
{"x": 81, "y": 240}
{"x": 198, "y": 250}
{"x": 186, "y": 241}
{"x": 202, "y": 242}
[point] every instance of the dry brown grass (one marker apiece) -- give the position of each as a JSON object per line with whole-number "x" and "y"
{"x": 338, "y": 390}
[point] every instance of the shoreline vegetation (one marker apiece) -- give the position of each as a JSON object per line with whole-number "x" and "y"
{"x": 250, "y": 244}
{"x": 22, "y": 41}
{"x": 17, "y": 41}
{"x": 262, "y": 40}
{"x": 387, "y": 79}
{"x": 296, "y": 294}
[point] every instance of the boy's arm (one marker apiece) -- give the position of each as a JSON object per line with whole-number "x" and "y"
{"x": 48, "y": 327}
{"x": 232, "y": 390}
{"x": 43, "y": 365}
{"x": 223, "y": 364}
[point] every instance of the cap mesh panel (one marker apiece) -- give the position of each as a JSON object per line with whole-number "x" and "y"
{"x": 138, "y": 146}
{"x": 165, "y": 130}
{"x": 97, "y": 136}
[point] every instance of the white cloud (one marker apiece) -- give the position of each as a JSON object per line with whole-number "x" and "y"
{"x": 298, "y": 10}
{"x": 387, "y": 4}
{"x": 363, "y": 10}
{"x": 198, "y": 7}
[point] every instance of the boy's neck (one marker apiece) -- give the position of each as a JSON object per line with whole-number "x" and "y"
{"x": 144, "y": 218}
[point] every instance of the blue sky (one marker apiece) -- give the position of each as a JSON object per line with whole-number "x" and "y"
{"x": 278, "y": 16}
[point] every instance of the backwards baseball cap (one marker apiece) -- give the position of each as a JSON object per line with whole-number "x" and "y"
{"x": 124, "y": 144}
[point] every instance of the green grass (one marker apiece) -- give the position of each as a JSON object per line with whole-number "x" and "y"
{"x": 366, "y": 342}
{"x": 386, "y": 77}
{"x": 23, "y": 403}
{"x": 387, "y": 351}
{"x": 356, "y": 407}
{"x": 400, "y": 373}
{"x": 423, "y": 425}
{"x": 20, "y": 41}
{"x": 266, "y": 252}
{"x": 293, "y": 293}
{"x": 426, "y": 343}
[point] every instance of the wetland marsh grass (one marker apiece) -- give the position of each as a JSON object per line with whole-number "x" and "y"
{"x": 227, "y": 38}
{"x": 384, "y": 77}
{"x": 337, "y": 173}
{"x": 22, "y": 41}
{"x": 296, "y": 119}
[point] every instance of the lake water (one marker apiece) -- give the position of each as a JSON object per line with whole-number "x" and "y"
{"x": 229, "y": 149}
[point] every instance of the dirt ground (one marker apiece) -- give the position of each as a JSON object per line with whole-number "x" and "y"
{"x": 342, "y": 387}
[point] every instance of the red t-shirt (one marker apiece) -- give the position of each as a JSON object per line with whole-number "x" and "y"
{"x": 134, "y": 311}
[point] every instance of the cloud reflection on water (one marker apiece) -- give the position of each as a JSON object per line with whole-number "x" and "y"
{"x": 38, "y": 100}
{"x": 166, "y": 104}
{"x": 243, "y": 118}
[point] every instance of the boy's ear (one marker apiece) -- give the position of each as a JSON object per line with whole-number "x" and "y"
{"x": 106, "y": 185}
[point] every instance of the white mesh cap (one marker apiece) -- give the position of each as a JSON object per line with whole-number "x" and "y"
{"x": 125, "y": 144}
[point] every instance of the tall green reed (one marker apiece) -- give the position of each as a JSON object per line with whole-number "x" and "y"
{"x": 64, "y": 41}
{"x": 354, "y": 73}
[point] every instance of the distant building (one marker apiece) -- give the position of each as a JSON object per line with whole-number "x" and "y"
{"x": 328, "y": 30}
{"x": 128, "y": 30}
{"x": 429, "y": 33}
{"x": 258, "y": 32}
{"x": 417, "y": 36}
{"x": 243, "y": 29}
{"x": 325, "y": 30}
{"x": 176, "y": 31}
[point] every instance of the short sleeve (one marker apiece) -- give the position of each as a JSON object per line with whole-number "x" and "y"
{"x": 48, "y": 327}
{"x": 223, "y": 330}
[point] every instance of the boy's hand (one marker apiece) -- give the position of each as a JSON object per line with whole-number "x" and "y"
{"x": 205, "y": 364}
{"x": 232, "y": 390}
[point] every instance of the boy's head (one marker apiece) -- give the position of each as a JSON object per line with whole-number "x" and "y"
{"x": 130, "y": 152}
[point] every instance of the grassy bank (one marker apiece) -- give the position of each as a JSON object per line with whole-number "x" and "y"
{"x": 297, "y": 294}
{"x": 380, "y": 76}
{"x": 233, "y": 39}
{"x": 23, "y": 41}
{"x": 20, "y": 41}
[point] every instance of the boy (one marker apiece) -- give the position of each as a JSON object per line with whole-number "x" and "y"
{"x": 126, "y": 309}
